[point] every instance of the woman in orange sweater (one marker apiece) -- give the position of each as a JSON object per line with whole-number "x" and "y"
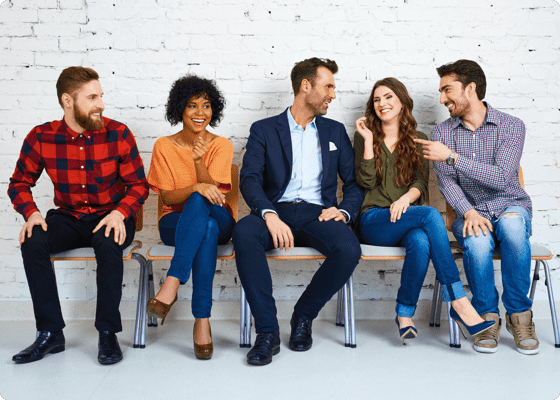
{"x": 191, "y": 171}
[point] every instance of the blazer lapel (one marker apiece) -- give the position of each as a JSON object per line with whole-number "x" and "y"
{"x": 325, "y": 149}
{"x": 283, "y": 128}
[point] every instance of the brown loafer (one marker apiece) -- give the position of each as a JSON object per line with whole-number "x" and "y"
{"x": 159, "y": 309}
{"x": 203, "y": 351}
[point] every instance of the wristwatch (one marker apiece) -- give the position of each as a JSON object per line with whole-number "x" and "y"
{"x": 451, "y": 159}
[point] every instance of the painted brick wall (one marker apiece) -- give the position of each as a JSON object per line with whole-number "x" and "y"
{"x": 139, "y": 48}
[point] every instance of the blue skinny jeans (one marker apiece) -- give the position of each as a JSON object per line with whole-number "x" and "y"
{"x": 196, "y": 233}
{"x": 512, "y": 230}
{"x": 422, "y": 232}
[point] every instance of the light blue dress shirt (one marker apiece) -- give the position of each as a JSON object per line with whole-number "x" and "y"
{"x": 307, "y": 166}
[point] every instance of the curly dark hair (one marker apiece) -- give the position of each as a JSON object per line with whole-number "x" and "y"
{"x": 408, "y": 161}
{"x": 192, "y": 86}
{"x": 466, "y": 71}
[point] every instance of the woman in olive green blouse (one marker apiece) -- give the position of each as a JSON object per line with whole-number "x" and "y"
{"x": 392, "y": 170}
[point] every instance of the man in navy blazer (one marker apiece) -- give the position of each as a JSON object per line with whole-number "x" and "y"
{"x": 289, "y": 180}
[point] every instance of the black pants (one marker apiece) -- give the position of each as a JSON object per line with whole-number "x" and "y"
{"x": 334, "y": 239}
{"x": 66, "y": 232}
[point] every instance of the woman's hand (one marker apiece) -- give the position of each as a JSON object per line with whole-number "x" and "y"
{"x": 199, "y": 149}
{"x": 363, "y": 130}
{"x": 211, "y": 192}
{"x": 399, "y": 207}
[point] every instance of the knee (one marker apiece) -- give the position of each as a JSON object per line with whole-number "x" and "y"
{"x": 103, "y": 243}
{"x": 511, "y": 227}
{"x": 348, "y": 248}
{"x": 212, "y": 229}
{"x": 196, "y": 199}
{"x": 37, "y": 243}
{"x": 478, "y": 247}
{"x": 433, "y": 218}
{"x": 417, "y": 243}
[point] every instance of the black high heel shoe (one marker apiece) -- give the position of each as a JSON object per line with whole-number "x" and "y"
{"x": 472, "y": 329}
{"x": 408, "y": 332}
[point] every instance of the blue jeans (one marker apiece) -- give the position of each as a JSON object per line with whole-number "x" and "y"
{"x": 511, "y": 233}
{"x": 196, "y": 233}
{"x": 422, "y": 232}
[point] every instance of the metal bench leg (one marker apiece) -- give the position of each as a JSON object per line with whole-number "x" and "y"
{"x": 454, "y": 339}
{"x": 352, "y": 316}
{"x": 536, "y": 277}
{"x": 242, "y": 317}
{"x": 339, "y": 309}
{"x": 143, "y": 305}
{"x": 437, "y": 321}
{"x": 152, "y": 321}
{"x": 552, "y": 306}
{"x": 435, "y": 298}
{"x": 247, "y": 324}
{"x": 139, "y": 303}
{"x": 346, "y": 316}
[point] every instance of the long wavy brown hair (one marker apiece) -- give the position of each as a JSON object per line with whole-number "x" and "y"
{"x": 409, "y": 161}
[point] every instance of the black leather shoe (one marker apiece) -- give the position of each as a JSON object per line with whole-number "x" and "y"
{"x": 300, "y": 338}
{"x": 266, "y": 345}
{"x": 46, "y": 342}
{"x": 109, "y": 349}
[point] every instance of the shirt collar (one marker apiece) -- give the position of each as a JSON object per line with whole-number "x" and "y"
{"x": 293, "y": 124}
{"x": 491, "y": 117}
{"x": 87, "y": 133}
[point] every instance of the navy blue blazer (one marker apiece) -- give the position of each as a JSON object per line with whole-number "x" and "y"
{"x": 267, "y": 165}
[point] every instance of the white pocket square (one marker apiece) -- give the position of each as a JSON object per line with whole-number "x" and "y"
{"x": 332, "y": 146}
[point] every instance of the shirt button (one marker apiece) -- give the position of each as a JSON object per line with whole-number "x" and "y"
{"x": 83, "y": 186}
{"x": 474, "y": 155}
{"x": 85, "y": 201}
{"x": 82, "y": 167}
{"x": 81, "y": 148}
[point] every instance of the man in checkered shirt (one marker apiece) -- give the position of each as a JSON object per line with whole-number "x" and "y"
{"x": 99, "y": 185}
{"x": 476, "y": 156}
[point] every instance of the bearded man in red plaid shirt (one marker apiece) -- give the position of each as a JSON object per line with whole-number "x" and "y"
{"x": 99, "y": 184}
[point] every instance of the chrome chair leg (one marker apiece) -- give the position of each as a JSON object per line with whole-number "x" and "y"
{"x": 435, "y": 299}
{"x": 536, "y": 277}
{"x": 437, "y": 321}
{"x": 143, "y": 305}
{"x": 152, "y": 321}
{"x": 350, "y": 284}
{"x": 346, "y": 316}
{"x": 241, "y": 317}
{"x": 247, "y": 324}
{"x": 339, "y": 308}
{"x": 454, "y": 340}
{"x": 140, "y": 301}
{"x": 552, "y": 306}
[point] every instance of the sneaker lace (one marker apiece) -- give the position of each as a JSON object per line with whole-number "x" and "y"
{"x": 489, "y": 334}
{"x": 525, "y": 331}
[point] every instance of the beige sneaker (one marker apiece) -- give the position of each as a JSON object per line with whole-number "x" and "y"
{"x": 487, "y": 341}
{"x": 521, "y": 326}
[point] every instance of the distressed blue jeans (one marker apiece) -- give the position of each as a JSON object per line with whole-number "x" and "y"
{"x": 422, "y": 232}
{"x": 196, "y": 233}
{"x": 512, "y": 230}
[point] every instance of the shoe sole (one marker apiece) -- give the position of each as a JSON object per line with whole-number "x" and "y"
{"x": 109, "y": 362}
{"x": 487, "y": 350}
{"x": 299, "y": 348}
{"x": 54, "y": 350}
{"x": 257, "y": 362}
{"x": 523, "y": 351}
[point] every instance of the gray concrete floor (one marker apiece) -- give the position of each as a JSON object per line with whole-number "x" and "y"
{"x": 379, "y": 368}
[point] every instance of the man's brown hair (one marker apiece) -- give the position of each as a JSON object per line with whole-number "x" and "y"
{"x": 72, "y": 78}
{"x": 307, "y": 69}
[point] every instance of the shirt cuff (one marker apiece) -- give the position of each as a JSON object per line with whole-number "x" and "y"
{"x": 267, "y": 210}
{"x": 346, "y": 215}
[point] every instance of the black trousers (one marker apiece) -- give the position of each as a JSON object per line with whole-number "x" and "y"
{"x": 333, "y": 239}
{"x": 65, "y": 232}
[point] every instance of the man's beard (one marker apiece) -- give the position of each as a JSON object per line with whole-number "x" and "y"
{"x": 86, "y": 122}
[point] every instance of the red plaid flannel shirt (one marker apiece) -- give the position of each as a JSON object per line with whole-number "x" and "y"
{"x": 92, "y": 172}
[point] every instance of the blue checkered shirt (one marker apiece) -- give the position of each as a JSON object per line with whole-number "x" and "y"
{"x": 486, "y": 175}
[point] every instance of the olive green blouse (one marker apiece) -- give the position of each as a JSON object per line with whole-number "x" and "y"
{"x": 387, "y": 192}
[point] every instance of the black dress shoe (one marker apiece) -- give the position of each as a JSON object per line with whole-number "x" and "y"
{"x": 266, "y": 345}
{"x": 109, "y": 349}
{"x": 46, "y": 342}
{"x": 300, "y": 339}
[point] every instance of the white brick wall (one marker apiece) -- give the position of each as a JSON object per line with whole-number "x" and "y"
{"x": 249, "y": 48}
